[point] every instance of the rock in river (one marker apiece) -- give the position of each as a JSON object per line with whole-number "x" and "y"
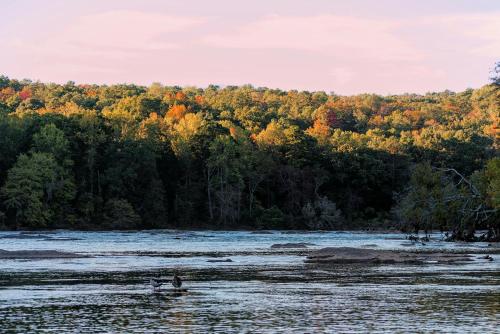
{"x": 37, "y": 255}
{"x": 220, "y": 260}
{"x": 292, "y": 245}
{"x": 345, "y": 255}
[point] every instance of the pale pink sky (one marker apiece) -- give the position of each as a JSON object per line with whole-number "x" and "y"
{"x": 348, "y": 47}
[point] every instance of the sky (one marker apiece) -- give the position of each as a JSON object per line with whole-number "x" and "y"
{"x": 346, "y": 47}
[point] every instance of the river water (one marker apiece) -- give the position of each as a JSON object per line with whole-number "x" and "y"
{"x": 262, "y": 289}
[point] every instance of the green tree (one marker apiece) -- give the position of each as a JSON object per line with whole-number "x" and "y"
{"x": 426, "y": 205}
{"x": 53, "y": 141}
{"x": 225, "y": 180}
{"x": 119, "y": 214}
{"x": 30, "y": 188}
{"x": 492, "y": 174}
{"x": 322, "y": 214}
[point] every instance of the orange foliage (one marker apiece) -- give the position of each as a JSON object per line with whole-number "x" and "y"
{"x": 377, "y": 120}
{"x": 199, "y": 99}
{"x": 413, "y": 115}
{"x": 451, "y": 107}
{"x": 91, "y": 93}
{"x": 430, "y": 122}
{"x": 180, "y": 96}
{"x": 169, "y": 96}
{"x": 6, "y": 93}
{"x": 493, "y": 130}
{"x": 177, "y": 112}
{"x": 319, "y": 131}
{"x": 153, "y": 116}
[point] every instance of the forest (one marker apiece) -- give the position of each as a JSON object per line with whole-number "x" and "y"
{"x": 135, "y": 157}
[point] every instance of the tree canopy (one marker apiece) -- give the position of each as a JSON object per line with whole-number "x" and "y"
{"x": 127, "y": 156}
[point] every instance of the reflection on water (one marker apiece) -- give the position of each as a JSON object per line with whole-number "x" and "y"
{"x": 260, "y": 291}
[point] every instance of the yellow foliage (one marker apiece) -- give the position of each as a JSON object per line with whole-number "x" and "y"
{"x": 6, "y": 93}
{"x": 273, "y": 135}
{"x": 189, "y": 126}
{"x": 153, "y": 127}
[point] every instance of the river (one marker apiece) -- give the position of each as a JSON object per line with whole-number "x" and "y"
{"x": 262, "y": 289}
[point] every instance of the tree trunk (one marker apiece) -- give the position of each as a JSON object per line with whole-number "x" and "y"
{"x": 210, "y": 209}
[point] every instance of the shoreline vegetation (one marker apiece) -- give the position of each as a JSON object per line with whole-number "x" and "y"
{"x": 98, "y": 157}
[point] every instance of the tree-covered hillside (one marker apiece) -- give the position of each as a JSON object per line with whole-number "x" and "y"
{"x": 127, "y": 156}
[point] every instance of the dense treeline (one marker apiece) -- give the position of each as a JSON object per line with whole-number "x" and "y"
{"x": 127, "y": 156}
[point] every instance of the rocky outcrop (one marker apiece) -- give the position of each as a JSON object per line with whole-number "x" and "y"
{"x": 37, "y": 255}
{"x": 292, "y": 245}
{"x": 347, "y": 255}
{"x": 220, "y": 260}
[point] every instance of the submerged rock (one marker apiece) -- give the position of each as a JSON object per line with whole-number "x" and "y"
{"x": 344, "y": 255}
{"x": 25, "y": 236}
{"x": 38, "y": 236}
{"x": 62, "y": 239}
{"x": 292, "y": 245}
{"x": 220, "y": 260}
{"x": 37, "y": 254}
